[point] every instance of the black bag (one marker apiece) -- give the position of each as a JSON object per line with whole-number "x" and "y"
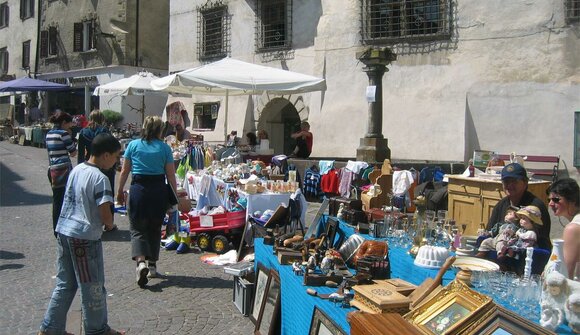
{"x": 435, "y": 195}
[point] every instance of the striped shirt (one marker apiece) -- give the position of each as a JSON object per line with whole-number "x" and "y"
{"x": 59, "y": 144}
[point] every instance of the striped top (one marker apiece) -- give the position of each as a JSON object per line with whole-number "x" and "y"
{"x": 59, "y": 144}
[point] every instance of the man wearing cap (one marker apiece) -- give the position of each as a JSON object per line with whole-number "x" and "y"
{"x": 514, "y": 178}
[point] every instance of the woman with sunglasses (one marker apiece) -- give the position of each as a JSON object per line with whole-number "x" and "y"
{"x": 565, "y": 201}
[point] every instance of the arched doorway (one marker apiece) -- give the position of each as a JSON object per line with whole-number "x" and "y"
{"x": 280, "y": 119}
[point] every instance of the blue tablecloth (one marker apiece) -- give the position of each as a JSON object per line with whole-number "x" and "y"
{"x": 298, "y": 306}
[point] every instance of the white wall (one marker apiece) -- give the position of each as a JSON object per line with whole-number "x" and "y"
{"x": 508, "y": 63}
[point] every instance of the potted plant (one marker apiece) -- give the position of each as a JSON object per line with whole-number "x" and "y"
{"x": 112, "y": 117}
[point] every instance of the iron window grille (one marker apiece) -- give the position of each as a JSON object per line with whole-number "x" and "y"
{"x": 572, "y": 10}
{"x": 26, "y": 9}
{"x": 213, "y": 31}
{"x": 48, "y": 42}
{"x": 273, "y": 25}
{"x": 4, "y": 15}
{"x": 3, "y": 61}
{"x": 205, "y": 115}
{"x": 393, "y": 21}
{"x": 84, "y": 36}
{"x": 26, "y": 55}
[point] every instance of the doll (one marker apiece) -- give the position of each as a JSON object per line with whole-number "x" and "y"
{"x": 554, "y": 295}
{"x": 527, "y": 235}
{"x": 339, "y": 214}
{"x": 504, "y": 233}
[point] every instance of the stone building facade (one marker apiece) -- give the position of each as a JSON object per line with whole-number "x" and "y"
{"x": 494, "y": 75}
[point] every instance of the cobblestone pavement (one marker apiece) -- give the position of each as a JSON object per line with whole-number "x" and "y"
{"x": 190, "y": 297}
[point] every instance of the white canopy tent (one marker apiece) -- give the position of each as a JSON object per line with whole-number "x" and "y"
{"x": 234, "y": 77}
{"x": 137, "y": 84}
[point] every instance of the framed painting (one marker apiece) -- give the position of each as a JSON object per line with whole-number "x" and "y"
{"x": 321, "y": 324}
{"x": 449, "y": 310}
{"x": 260, "y": 289}
{"x": 331, "y": 229}
{"x": 268, "y": 316}
{"x": 500, "y": 321}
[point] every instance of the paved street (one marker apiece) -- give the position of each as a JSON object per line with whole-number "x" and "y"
{"x": 190, "y": 297}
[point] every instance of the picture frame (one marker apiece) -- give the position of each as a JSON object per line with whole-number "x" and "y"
{"x": 450, "y": 310}
{"x": 270, "y": 308}
{"x": 260, "y": 289}
{"x": 331, "y": 230}
{"x": 321, "y": 324}
{"x": 501, "y": 321}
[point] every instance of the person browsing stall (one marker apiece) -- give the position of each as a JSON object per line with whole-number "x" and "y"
{"x": 565, "y": 202}
{"x": 514, "y": 179}
{"x": 61, "y": 148}
{"x": 304, "y": 140}
{"x": 150, "y": 162}
{"x": 85, "y": 211}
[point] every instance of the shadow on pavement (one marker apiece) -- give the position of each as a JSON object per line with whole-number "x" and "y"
{"x": 189, "y": 282}
{"x": 10, "y": 255}
{"x": 11, "y": 266}
{"x": 11, "y": 194}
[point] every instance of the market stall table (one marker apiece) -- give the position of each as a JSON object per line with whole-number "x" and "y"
{"x": 298, "y": 306}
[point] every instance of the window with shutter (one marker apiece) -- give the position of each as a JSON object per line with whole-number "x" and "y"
{"x": 78, "y": 37}
{"x": 43, "y": 44}
{"x": 52, "y": 38}
{"x": 26, "y": 9}
{"x": 4, "y": 15}
{"x": 3, "y": 61}
{"x": 26, "y": 55}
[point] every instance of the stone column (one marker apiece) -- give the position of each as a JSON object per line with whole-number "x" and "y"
{"x": 374, "y": 146}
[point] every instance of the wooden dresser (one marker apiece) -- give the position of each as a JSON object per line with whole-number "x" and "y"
{"x": 471, "y": 200}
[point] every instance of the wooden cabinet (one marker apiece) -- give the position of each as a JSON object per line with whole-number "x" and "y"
{"x": 471, "y": 200}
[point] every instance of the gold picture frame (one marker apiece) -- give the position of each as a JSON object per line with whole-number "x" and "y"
{"x": 449, "y": 311}
{"x": 498, "y": 320}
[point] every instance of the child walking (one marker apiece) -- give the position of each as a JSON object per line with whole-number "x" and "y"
{"x": 86, "y": 209}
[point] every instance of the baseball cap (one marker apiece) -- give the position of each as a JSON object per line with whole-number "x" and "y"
{"x": 514, "y": 170}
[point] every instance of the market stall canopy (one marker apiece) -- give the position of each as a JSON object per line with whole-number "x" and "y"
{"x": 26, "y": 84}
{"x": 137, "y": 84}
{"x": 234, "y": 77}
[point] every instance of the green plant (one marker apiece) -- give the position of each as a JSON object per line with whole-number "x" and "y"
{"x": 112, "y": 117}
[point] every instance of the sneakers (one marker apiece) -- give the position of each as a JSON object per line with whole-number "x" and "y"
{"x": 152, "y": 272}
{"x": 141, "y": 274}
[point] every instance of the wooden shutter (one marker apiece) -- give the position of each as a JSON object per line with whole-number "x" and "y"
{"x": 26, "y": 54}
{"x": 52, "y": 38}
{"x": 92, "y": 35}
{"x": 44, "y": 44}
{"x": 78, "y": 37}
{"x": 23, "y": 9}
{"x": 31, "y": 7}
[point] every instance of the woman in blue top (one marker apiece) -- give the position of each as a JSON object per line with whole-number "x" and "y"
{"x": 150, "y": 161}
{"x": 60, "y": 148}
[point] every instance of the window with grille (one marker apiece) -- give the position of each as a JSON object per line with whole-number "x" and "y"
{"x": 4, "y": 14}
{"x": 48, "y": 42}
{"x": 3, "y": 61}
{"x": 26, "y": 9}
{"x": 213, "y": 31}
{"x": 84, "y": 36}
{"x": 391, "y": 21}
{"x": 274, "y": 25}
{"x": 26, "y": 55}
{"x": 205, "y": 115}
{"x": 573, "y": 11}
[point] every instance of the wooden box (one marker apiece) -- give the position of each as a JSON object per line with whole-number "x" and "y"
{"x": 379, "y": 298}
{"x": 388, "y": 323}
{"x": 399, "y": 285}
{"x": 286, "y": 257}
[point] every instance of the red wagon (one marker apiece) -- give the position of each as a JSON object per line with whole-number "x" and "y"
{"x": 216, "y": 231}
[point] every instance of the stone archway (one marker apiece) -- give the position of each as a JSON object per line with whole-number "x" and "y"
{"x": 280, "y": 116}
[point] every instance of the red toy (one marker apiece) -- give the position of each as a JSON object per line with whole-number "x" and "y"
{"x": 216, "y": 231}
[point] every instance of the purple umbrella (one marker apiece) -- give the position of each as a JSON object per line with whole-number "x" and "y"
{"x": 26, "y": 84}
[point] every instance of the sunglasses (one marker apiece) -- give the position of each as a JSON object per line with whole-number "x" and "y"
{"x": 554, "y": 200}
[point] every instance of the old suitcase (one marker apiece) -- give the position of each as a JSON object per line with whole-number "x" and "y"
{"x": 335, "y": 202}
{"x": 354, "y": 216}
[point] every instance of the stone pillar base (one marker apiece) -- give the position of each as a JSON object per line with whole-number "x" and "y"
{"x": 373, "y": 150}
